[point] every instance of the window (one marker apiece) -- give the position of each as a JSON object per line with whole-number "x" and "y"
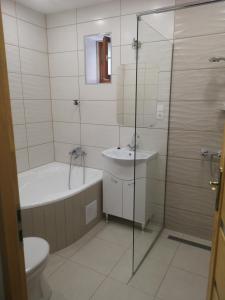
{"x": 98, "y": 58}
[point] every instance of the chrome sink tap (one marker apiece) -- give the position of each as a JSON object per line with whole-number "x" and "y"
{"x": 133, "y": 146}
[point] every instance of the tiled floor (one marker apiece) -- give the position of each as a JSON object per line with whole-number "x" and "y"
{"x": 98, "y": 267}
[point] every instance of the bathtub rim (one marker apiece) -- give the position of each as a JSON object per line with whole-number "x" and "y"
{"x": 62, "y": 195}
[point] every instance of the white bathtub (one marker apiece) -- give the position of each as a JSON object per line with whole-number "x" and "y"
{"x": 49, "y": 183}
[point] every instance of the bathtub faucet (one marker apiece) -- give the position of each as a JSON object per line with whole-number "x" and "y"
{"x": 77, "y": 152}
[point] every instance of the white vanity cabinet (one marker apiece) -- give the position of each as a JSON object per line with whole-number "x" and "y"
{"x": 113, "y": 194}
{"x": 118, "y": 184}
{"x": 118, "y": 198}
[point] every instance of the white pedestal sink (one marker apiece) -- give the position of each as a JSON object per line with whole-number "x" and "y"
{"x": 118, "y": 183}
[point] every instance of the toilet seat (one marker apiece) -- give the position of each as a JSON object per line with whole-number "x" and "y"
{"x": 36, "y": 251}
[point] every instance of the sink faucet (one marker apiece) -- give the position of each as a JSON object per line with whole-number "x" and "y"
{"x": 132, "y": 145}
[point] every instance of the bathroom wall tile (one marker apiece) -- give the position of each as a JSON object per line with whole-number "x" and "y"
{"x": 205, "y": 84}
{"x": 38, "y": 111}
{"x": 157, "y": 28}
{"x": 10, "y": 30}
{"x": 15, "y": 86}
{"x": 189, "y": 223}
{"x": 155, "y": 54}
{"x": 194, "y": 52}
{"x": 99, "y": 11}
{"x": 8, "y": 7}
{"x": 159, "y": 172}
{"x": 20, "y": 137}
{"x": 104, "y": 91}
{"x": 66, "y": 132}
{"x": 32, "y": 36}
{"x": 126, "y": 134}
{"x": 63, "y": 64}
{"x": 200, "y": 115}
{"x": 189, "y": 143}
{"x": 189, "y": 171}
{"x": 111, "y": 25}
{"x": 39, "y": 133}
{"x": 128, "y": 55}
{"x": 132, "y": 6}
{"x": 61, "y": 19}
{"x": 13, "y": 58}
{"x": 22, "y": 160}
{"x": 62, "y": 39}
{"x": 26, "y": 14}
{"x": 94, "y": 158}
{"x": 33, "y": 62}
{"x": 41, "y": 155}
{"x": 99, "y": 112}
{"x": 62, "y": 151}
{"x": 64, "y": 88}
{"x": 35, "y": 87}
{"x": 164, "y": 86}
{"x": 195, "y": 21}
{"x": 188, "y": 198}
{"x": 99, "y": 136}
{"x": 128, "y": 29}
{"x": 65, "y": 111}
{"x": 17, "y": 109}
{"x": 153, "y": 140}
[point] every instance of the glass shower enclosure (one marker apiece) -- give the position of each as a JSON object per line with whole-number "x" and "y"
{"x": 154, "y": 52}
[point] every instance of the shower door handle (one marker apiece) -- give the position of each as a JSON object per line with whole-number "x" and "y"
{"x": 216, "y": 186}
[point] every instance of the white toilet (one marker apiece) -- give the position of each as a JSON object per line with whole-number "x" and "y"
{"x": 36, "y": 252}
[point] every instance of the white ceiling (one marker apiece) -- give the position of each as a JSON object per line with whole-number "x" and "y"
{"x": 53, "y": 6}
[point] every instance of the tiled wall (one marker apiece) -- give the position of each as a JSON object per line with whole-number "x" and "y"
{"x": 27, "y": 60}
{"x": 198, "y": 93}
{"x": 99, "y": 128}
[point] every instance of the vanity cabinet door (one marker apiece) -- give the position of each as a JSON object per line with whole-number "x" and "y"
{"x": 112, "y": 195}
{"x": 128, "y": 200}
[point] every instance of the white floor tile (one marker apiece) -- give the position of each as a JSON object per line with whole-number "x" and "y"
{"x": 182, "y": 285}
{"x": 75, "y": 282}
{"x": 192, "y": 259}
{"x": 115, "y": 290}
{"x": 54, "y": 262}
{"x": 71, "y": 250}
{"x": 123, "y": 269}
{"x": 164, "y": 251}
{"x": 149, "y": 277}
{"x": 151, "y": 273}
{"x": 99, "y": 255}
{"x": 120, "y": 234}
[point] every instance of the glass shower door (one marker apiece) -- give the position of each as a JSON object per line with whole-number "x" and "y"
{"x": 154, "y": 60}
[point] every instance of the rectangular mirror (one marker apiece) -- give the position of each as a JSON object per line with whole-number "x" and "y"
{"x": 98, "y": 58}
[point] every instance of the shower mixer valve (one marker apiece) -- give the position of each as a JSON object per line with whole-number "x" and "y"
{"x": 210, "y": 154}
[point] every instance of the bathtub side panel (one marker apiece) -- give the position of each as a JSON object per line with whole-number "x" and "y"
{"x": 73, "y": 218}
{"x": 92, "y": 193}
{"x": 50, "y": 226}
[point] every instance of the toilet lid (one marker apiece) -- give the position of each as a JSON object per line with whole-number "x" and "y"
{"x": 36, "y": 250}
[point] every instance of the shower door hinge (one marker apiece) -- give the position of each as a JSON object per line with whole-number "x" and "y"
{"x": 19, "y": 224}
{"x": 136, "y": 44}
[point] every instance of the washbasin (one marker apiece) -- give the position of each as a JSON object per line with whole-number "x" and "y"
{"x": 126, "y": 154}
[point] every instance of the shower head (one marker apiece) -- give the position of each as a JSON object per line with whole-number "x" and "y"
{"x": 216, "y": 59}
